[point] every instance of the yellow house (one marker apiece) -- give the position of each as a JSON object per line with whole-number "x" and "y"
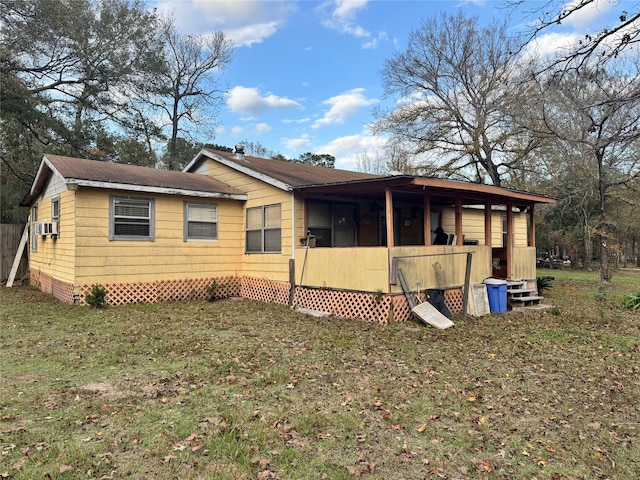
{"x": 312, "y": 237}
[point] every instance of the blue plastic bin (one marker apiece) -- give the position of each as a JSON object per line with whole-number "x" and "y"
{"x": 497, "y": 293}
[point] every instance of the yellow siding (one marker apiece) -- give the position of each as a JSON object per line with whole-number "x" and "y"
{"x": 520, "y": 222}
{"x": 524, "y": 263}
{"x": 168, "y": 257}
{"x": 443, "y": 268}
{"x": 473, "y": 226}
{"x": 55, "y": 257}
{"x": 365, "y": 269}
{"x": 270, "y": 265}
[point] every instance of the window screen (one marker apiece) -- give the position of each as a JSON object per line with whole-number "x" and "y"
{"x": 132, "y": 218}
{"x": 201, "y": 221}
{"x": 263, "y": 232}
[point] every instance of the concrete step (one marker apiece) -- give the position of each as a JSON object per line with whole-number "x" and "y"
{"x": 530, "y": 298}
{"x": 521, "y": 291}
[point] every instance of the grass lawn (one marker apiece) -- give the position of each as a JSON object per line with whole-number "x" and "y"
{"x": 237, "y": 389}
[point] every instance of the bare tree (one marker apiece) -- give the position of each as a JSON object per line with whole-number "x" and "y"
{"x": 608, "y": 43}
{"x": 365, "y": 163}
{"x": 593, "y": 120}
{"x": 189, "y": 87}
{"x": 461, "y": 90}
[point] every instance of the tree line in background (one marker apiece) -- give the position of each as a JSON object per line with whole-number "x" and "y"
{"x": 478, "y": 104}
{"x": 105, "y": 80}
{"x": 111, "y": 80}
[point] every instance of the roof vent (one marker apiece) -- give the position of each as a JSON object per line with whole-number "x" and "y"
{"x": 238, "y": 152}
{"x": 395, "y": 173}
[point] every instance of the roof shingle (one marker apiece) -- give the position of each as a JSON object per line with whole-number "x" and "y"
{"x": 120, "y": 175}
{"x": 294, "y": 174}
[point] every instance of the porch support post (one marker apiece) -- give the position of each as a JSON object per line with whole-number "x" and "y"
{"x": 292, "y": 280}
{"x": 458, "y": 220}
{"x": 426, "y": 209}
{"x": 510, "y": 239}
{"x": 532, "y": 227}
{"x": 487, "y": 223}
{"x": 388, "y": 201}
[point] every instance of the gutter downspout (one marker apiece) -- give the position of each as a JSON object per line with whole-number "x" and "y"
{"x": 293, "y": 225}
{"x": 292, "y": 260}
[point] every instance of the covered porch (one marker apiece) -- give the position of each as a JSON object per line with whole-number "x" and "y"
{"x": 360, "y": 233}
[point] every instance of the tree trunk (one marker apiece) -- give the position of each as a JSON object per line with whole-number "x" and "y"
{"x": 605, "y": 269}
{"x": 588, "y": 246}
{"x": 174, "y": 129}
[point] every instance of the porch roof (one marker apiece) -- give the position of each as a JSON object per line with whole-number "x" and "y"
{"x": 291, "y": 176}
{"x": 436, "y": 187}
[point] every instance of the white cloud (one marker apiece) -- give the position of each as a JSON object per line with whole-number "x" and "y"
{"x": 586, "y": 17}
{"x": 237, "y": 131}
{"x": 346, "y": 9}
{"x": 245, "y": 22}
{"x": 297, "y": 143}
{"x": 248, "y": 35}
{"x": 342, "y": 18}
{"x": 248, "y": 101}
{"x": 551, "y": 44}
{"x": 375, "y": 41}
{"x": 263, "y": 128}
{"x": 289, "y": 121}
{"x": 343, "y": 106}
{"x": 348, "y": 150}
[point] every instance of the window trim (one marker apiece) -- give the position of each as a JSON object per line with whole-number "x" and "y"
{"x": 112, "y": 219}
{"x": 56, "y": 217}
{"x": 34, "y": 232}
{"x": 331, "y": 225}
{"x": 186, "y": 206}
{"x": 262, "y": 229}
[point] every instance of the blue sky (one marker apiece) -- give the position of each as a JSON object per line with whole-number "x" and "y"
{"x": 305, "y": 75}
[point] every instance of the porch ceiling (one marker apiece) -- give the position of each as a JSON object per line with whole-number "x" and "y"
{"x": 440, "y": 190}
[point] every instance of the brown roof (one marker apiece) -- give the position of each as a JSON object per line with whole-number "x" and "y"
{"x": 117, "y": 175}
{"x": 293, "y": 174}
{"x": 329, "y": 180}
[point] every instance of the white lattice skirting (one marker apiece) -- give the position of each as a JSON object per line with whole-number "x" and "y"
{"x": 371, "y": 307}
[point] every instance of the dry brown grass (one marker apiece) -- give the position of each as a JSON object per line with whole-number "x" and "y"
{"x": 247, "y": 390}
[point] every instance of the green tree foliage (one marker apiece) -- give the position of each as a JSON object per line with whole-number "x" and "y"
{"x": 319, "y": 160}
{"x": 71, "y": 71}
{"x": 183, "y": 150}
{"x": 81, "y": 60}
{"x": 220, "y": 148}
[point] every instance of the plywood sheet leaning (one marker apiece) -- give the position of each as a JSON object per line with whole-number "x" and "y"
{"x": 478, "y": 300}
{"x": 429, "y": 314}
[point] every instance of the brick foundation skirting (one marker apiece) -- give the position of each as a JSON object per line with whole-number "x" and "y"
{"x": 367, "y": 306}
{"x": 63, "y": 291}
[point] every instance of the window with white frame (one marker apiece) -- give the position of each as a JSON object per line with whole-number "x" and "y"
{"x": 55, "y": 213}
{"x": 200, "y": 221}
{"x": 131, "y": 218}
{"x": 504, "y": 231}
{"x": 263, "y": 229}
{"x": 35, "y": 228}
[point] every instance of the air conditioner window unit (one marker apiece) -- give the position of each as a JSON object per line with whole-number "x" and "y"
{"x": 49, "y": 228}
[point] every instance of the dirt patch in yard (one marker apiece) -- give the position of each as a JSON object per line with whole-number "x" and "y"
{"x": 102, "y": 389}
